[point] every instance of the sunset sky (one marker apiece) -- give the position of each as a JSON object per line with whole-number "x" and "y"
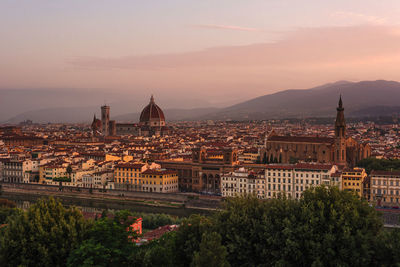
{"x": 221, "y": 50}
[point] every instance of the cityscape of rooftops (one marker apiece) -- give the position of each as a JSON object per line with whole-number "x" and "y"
{"x": 199, "y": 133}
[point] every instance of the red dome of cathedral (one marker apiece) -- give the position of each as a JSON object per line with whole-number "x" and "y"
{"x": 152, "y": 115}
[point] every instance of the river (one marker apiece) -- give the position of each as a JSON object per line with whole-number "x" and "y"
{"x": 24, "y": 201}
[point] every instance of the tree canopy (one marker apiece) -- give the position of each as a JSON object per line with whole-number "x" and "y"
{"x": 42, "y": 236}
{"x": 109, "y": 242}
{"x": 326, "y": 227}
{"x": 379, "y": 164}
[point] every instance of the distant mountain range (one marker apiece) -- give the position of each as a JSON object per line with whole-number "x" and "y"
{"x": 360, "y": 99}
{"x": 365, "y": 98}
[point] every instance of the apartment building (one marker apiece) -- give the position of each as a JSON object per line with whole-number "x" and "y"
{"x": 159, "y": 180}
{"x": 293, "y": 179}
{"x": 307, "y": 174}
{"x": 242, "y": 182}
{"x": 279, "y": 179}
{"x": 353, "y": 180}
{"x": 17, "y": 171}
{"x": 98, "y": 179}
{"x": 385, "y": 187}
{"x": 127, "y": 175}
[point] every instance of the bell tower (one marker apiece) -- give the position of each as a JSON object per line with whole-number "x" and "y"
{"x": 105, "y": 119}
{"x": 340, "y": 135}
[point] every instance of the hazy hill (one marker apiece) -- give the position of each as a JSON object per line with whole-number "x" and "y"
{"x": 78, "y": 105}
{"x": 367, "y": 98}
{"x": 359, "y": 99}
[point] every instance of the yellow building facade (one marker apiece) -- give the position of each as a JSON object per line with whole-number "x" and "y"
{"x": 158, "y": 180}
{"x": 127, "y": 175}
{"x": 353, "y": 180}
{"x": 50, "y": 171}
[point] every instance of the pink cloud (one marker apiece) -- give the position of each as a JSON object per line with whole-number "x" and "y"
{"x": 226, "y": 27}
{"x": 299, "y": 49}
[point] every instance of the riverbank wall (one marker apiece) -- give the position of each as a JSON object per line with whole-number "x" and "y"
{"x": 178, "y": 200}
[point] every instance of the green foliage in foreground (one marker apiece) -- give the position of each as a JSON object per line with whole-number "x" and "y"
{"x": 108, "y": 243}
{"x": 43, "y": 236}
{"x": 7, "y": 209}
{"x": 326, "y": 227}
{"x": 211, "y": 252}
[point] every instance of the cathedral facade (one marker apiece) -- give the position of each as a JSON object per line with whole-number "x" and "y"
{"x": 340, "y": 150}
{"x": 152, "y": 122}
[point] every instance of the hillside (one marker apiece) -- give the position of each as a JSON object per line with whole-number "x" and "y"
{"x": 358, "y": 98}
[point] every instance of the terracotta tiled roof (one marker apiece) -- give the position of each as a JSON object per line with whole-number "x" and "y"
{"x": 310, "y": 166}
{"x": 158, "y": 172}
{"x": 279, "y": 167}
{"x": 129, "y": 165}
{"x": 388, "y": 173}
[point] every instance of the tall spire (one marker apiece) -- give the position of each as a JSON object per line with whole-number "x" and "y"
{"x": 340, "y": 134}
{"x": 340, "y": 103}
{"x": 340, "y": 120}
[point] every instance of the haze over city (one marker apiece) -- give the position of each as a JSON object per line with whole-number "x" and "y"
{"x": 197, "y": 53}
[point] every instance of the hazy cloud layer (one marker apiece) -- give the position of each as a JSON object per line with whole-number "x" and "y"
{"x": 226, "y": 27}
{"x": 301, "y": 49}
{"x": 304, "y": 58}
{"x": 360, "y": 18}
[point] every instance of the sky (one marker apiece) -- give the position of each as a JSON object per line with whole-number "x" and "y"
{"x": 218, "y": 52}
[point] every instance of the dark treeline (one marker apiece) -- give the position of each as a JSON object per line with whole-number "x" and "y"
{"x": 326, "y": 227}
{"x": 379, "y": 164}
